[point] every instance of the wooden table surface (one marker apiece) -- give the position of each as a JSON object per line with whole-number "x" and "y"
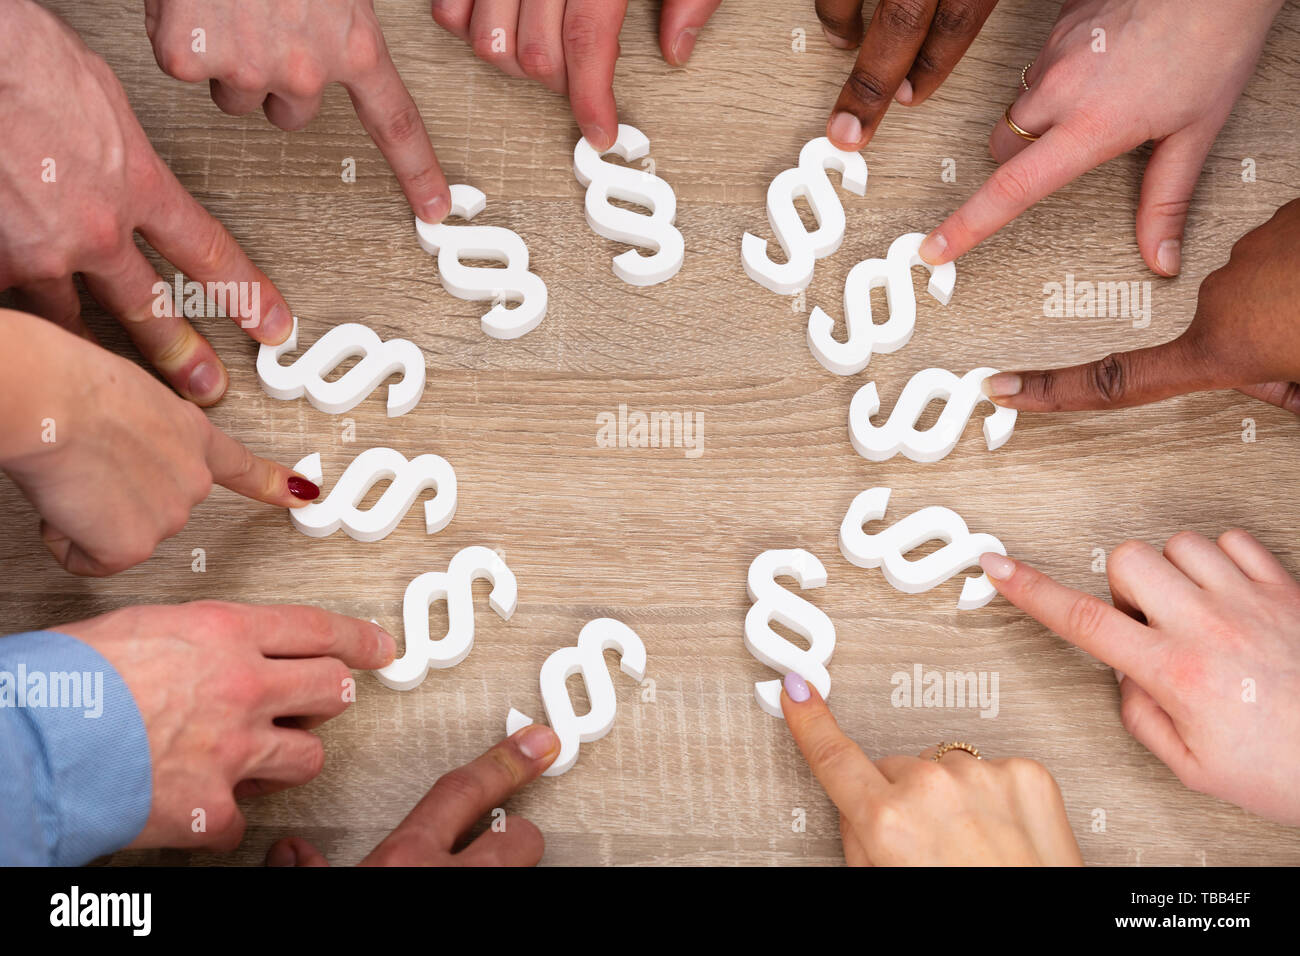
{"x": 694, "y": 772}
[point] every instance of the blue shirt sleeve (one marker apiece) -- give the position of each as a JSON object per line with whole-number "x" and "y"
{"x": 75, "y": 773}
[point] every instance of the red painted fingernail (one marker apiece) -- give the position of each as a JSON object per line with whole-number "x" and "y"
{"x": 304, "y": 489}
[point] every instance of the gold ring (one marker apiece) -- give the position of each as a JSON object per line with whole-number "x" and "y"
{"x": 1019, "y": 131}
{"x": 959, "y": 745}
{"x": 1023, "y": 70}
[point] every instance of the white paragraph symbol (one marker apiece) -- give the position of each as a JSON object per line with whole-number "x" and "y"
{"x": 339, "y": 509}
{"x": 587, "y": 659}
{"x": 773, "y": 602}
{"x": 379, "y": 359}
{"x": 899, "y": 433}
{"x": 802, "y": 248}
{"x": 894, "y": 272}
{"x": 886, "y": 550}
{"x": 514, "y": 283}
{"x": 456, "y": 586}
{"x": 608, "y": 180}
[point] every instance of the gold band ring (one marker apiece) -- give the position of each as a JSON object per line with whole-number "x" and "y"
{"x": 1018, "y": 130}
{"x": 958, "y": 745}
{"x": 1023, "y": 70}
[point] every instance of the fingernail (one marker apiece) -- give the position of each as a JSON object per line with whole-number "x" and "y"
{"x": 303, "y": 489}
{"x": 933, "y": 248}
{"x": 435, "y": 210}
{"x": 796, "y": 687}
{"x": 277, "y": 324}
{"x": 387, "y": 647}
{"x": 997, "y": 566}
{"x": 207, "y": 382}
{"x": 684, "y": 45}
{"x": 1002, "y": 385}
{"x": 904, "y": 92}
{"x": 595, "y": 137}
{"x": 537, "y": 741}
{"x": 1119, "y": 675}
{"x": 1169, "y": 256}
{"x": 845, "y": 130}
{"x": 835, "y": 41}
{"x": 282, "y": 854}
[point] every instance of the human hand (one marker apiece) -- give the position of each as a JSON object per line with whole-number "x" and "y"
{"x": 906, "y": 52}
{"x": 77, "y": 178}
{"x": 111, "y": 459}
{"x": 1169, "y": 71}
{"x": 435, "y": 832}
{"x": 915, "y": 811}
{"x": 1245, "y": 335}
{"x": 280, "y": 54}
{"x": 227, "y": 693}
{"x": 1203, "y": 640}
{"x": 570, "y": 46}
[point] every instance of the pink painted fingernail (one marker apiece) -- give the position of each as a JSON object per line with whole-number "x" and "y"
{"x": 997, "y": 566}
{"x": 796, "y": 687}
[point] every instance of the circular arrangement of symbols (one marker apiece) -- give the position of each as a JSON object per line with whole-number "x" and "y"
{"x": 519, "y": 303}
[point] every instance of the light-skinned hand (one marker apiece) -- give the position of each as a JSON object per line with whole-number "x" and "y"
{"x": 1115, "y": 74}
{"x": 228, "y": 693}
{"x": 279, "y": 55}
{"x": 78, "y": 179}
{"x": 1205, "y": 638}
{"x": 915, "y": 811}
{"x": 570, "y": 46}
{"x": 113, "y": 460}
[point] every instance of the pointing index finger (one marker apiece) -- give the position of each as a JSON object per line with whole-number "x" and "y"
{"x": 1088, "y": 622}
{"x": 1057, "y": 157}
{"x": 459, "y": 798}
{"x": 590, "y": 54}
{"x": 299, "y": 631}
{"x": 191, "y": 239}
{"x": 894, "y": 36}
{"x": 234, "y": 466}
{"x": 846, "y": 773}
{"x": 389, "y": 114}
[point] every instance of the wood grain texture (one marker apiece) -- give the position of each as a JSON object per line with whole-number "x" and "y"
{"x": 658, "y": 540}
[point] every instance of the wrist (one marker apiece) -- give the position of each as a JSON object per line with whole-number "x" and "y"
{"x": 43, "y": 377}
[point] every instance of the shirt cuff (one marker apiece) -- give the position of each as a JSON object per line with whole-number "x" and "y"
{"x": 76, "y": 778}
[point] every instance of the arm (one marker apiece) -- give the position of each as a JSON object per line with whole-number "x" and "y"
{"x": 75, "y": 773}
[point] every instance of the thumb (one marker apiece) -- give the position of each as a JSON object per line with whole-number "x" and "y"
{"x": 680, "y": 24}
{"x": 1167, "y": 186}
{"x": 1119, "y": 380}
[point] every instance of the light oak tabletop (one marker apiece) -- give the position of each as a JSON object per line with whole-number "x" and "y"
{"x": 693, "y": 772}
